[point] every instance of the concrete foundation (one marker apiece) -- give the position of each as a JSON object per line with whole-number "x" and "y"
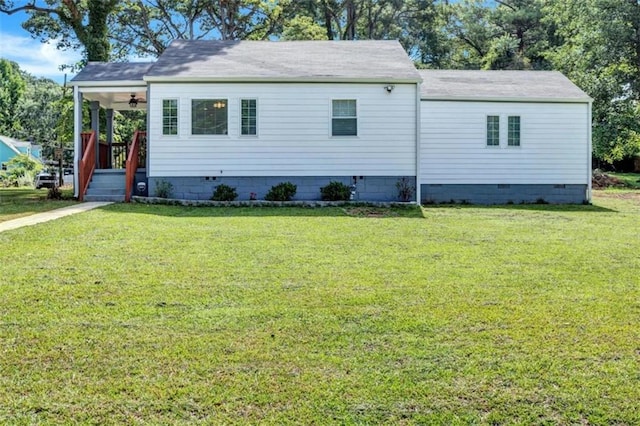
{"x": 503, "y": 194}
{"x": 368, "y": 188}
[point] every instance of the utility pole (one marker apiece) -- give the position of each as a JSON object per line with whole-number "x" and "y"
{"x": 60, "y": 153}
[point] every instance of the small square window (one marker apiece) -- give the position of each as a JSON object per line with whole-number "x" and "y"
{"x": 344, "y": 120}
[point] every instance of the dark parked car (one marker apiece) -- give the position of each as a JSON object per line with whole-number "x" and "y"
{"x": 45, "y": 180}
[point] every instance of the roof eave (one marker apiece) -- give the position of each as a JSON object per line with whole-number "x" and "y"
{"x": 508, "y": 99}
{"x": 106, "y": 83}
{"x": 382, "y": 80}
{"x": 11, "y": 146}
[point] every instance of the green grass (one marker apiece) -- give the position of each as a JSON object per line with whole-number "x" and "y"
{"x": 454, "y": 315}
{"x": 631, "y": 180}
{"x": 19, "y": 202}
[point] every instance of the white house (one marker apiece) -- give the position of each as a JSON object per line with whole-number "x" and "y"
{"x": 253, "y": 114}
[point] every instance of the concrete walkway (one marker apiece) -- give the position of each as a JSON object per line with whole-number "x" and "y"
{"x": 50, "y": 215}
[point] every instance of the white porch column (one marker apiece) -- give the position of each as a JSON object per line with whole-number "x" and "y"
{"x": 418, "y": 145}
{"x": 148, "y": 130}
{"x": 109, "y": 130}
{"x": 77, "y": 140}
{"x": 95, "y": 126}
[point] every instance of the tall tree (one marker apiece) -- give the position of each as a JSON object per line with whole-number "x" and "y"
{"x": 243, "y": 19}
{"x": 522, "y": 20}
{"x": 600, "y": 51}
{"x": 422, "y": 32}
{"x": 39, "y": 113}
{"x": 472, "y": 29}
{"x": 72, "y": 23}
{"x": 12, "y": 87}
{"x": 508, "y": 34}
{"x": 302, "y": 28}
{"x": 418, "y": 24}
{"x": 146, "y": 27}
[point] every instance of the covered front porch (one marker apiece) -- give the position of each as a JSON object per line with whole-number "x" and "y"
{"x": 109, "y": 163}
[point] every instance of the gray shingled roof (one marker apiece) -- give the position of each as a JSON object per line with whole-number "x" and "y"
{"x": 113, "y": 71}
{"x": 366, "y": 60}
{"x": 550, "y": 86}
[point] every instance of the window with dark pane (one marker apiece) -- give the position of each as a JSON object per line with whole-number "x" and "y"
{"x": 169, "y": 116}
{"x": 514, "y": 131}
{"x": 493, "y": 130}
{"x": 249, "y": 117}
{"x": 344, "y": 120}
{"x": 209, "y": 117}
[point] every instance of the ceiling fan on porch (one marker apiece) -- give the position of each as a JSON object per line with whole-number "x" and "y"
{"x": 133, "y": 102}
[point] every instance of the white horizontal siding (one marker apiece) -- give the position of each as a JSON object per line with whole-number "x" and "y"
{"x": 294, "y": 132}
{"x": 553, "y": 147}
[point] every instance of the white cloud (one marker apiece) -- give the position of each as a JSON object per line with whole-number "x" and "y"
{"x": 37, "y": 58}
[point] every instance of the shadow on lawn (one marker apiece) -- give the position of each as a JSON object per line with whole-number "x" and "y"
{"x": 20, "y": 195}
{"x": 577, "y": 208}
{"x": 411, "y": 212}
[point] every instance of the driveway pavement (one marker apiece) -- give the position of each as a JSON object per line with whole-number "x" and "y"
{"x": 50, "y": 215}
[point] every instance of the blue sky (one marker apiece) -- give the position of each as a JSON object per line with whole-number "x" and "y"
{"x": 37, "y": 58}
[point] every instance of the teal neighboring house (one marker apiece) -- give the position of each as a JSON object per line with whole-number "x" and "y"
{"x": 10, "y": 147}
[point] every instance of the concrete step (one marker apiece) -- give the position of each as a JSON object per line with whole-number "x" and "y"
{"x": 106, "y": 183}
{"x": 114, "y": 198}
{"x": 104, "y": 175}
{"x": 109, "y": 172}
{"x": 106, "y": 191}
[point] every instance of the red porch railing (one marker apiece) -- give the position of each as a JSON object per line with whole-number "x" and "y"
{"x": 133, "y": 162}
{"x": 87, "y": 162}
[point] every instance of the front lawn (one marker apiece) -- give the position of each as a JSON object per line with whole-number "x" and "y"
{"x": 136, "y": 314}
{"x": 19, "y": 202}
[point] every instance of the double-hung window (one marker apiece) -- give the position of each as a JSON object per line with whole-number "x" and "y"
{"x": 493, "y": 130}
{"x": 209, "y": 117}
{"x": 248, "y": 117}
{"x": 513, "y": 131}
{"x": 344, "y": 119}
{"x": 169, "y": 116}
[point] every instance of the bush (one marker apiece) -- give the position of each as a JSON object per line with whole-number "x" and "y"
{"x": 281, "y": 192}
{"x": 24, "y": 180}
{"x": 21, "y": 171}
{"x": 405, "y": 189}
{"x": 224, "y": 193}
{"x": 335, "y": 191}
{"x": 164, "y": 189}
{"x": 54, "y": 193}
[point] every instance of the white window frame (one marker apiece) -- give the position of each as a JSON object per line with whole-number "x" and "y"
{"x": 257, "y": 120}
{"x": 209, "y": 135}
{"x": 331, "y": 118}
{"x": 177, "y": 117}
{"x": 486, "y": 131}
{"x": 519, "y": 117}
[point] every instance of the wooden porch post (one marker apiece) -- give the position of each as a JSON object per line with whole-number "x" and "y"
{"x": 95, "y": 126}
{"x": 109, "y": 130}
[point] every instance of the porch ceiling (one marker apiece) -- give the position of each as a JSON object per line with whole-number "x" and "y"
{"x": 117, "y": 99}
